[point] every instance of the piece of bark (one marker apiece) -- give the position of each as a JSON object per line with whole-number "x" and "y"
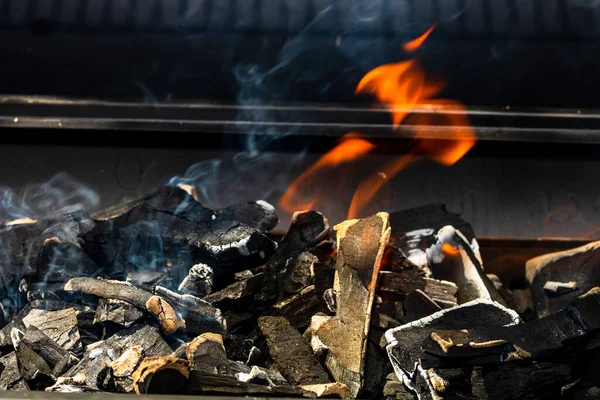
{"x": 61, "y": 261}
{"x": 404, "y": 342}
{"x": 94, "y": 361}
{"x": 293, "y": 357}
{"x": 168, "y": 232}
{"x": 361, "y": 244}
{"x": 442, "y": 292}
{"x": 328, "y": 390}
{"x": 117, "y": 312}
{"x": 10, "y": 376}
{"x": 257, "y": 214}
{"x": 453, "y": 259}
{"x": 206, "y": 353}
{"x": 222, "y": 385}
{"x": 580, "y": 265}
{"x": 161, "y": 375}
{"x": 198, "y": 282}
{"x": 299, "y": 272}
{"x": 299, "y": 308}
{"x": 414, "y": 230}
{"x": 529, "y": 381}
{"x": 60, "y": 325}
{"x": 169, "y": 319}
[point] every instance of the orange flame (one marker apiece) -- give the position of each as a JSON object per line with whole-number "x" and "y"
{"x": 401, "y": 87}
{"x": 416, "y": 43}
{"x": 450, "y": 250}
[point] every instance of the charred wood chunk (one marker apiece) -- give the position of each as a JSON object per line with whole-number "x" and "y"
{"x": 168, "y": 232}
{"x": 255, "y": 293}
{"x": 377, "y": 368}
{"x": 161, "y": 375}
{"x": 531, "y": 381}
{"x": 414, "y": 230}
{"x": 256, "y": 214}
{"x": 395, "y": 390}
{"x": 60, "y": 325}
{"x": 299, "y": 273}
{"x": 222, "y": 385}
{"x": 169, "y": 319}
{"x": 92, "y": 365}
{"x": 118, "y": 376}
{"x": 404, "y": 342}
{"x": 453, "y": 258}
{"x": 293, "y": 357}
{"x": 206, "y": 353}
{"x": 418, "y": 305}
{"x": 198, "y": 282}
{"x": 117, "y": 312}
{"x": 61, "y": 261}
{"x": 442, "y": 292}
{"x": 10, "y": 375}
{"x": 56, "y": 357}
{"x": 299, "y": 308}
{"x": 361, "y": 244}
{"x": 559, "y": 278}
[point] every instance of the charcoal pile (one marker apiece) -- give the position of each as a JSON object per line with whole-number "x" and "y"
{"x": 165, "y": 296}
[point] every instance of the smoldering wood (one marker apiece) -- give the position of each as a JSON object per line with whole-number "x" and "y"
{"x": 60, "y": 325}
{"x": 206, "y": 353}
{"x": 117, "y": 312}
{"x": 169, "y": 231}
{"x": 161, "y": 375}
{"x": 453, "y": 258}
{"x": 414, "y": 230}
{"x": 580, "y": 265}
{"x": 299, "y": 272}
{"x": 293, "y": 357}
{"x": 299, "y": 308}
{"x": 256, "y": 214}
{"x": 61, "y": 261}
{"x": 211, "y": 384}
{"x": 10, "y": 376}
{"x": 198, "y": 282}
{"x": 418, "y": 305}
{"x": 57, "y": 358}
{"x": 169, "y": 319}
{"x": 442, "y": 292}
{"x": 541, "y": 380}
{"x": 92, "y": 364}
{"x": 361, "y": 244}
{"x": 32, "y": 366}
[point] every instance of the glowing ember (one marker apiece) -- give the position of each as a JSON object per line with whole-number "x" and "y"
{"x": 416, "y": 43}
{"x": 450, "y": 250}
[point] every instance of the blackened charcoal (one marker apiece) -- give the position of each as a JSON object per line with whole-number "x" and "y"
{"x": 61, "y": 261}
{"x": 299, "y": 308}
{"x": 60, "y": 324}
{"x": 377, "y": 368}
{"x": 299, "y": 272}
{"x": 10, "y": 376}
{"x": 395, "y": 390}
{"x": 406, "y": 282}
{"x": 222, "y": 385}
{"x": 256, "y": 214}
{"x": 418, "y": 305}
{"x": 117, "y": 312}
{"x": 199, "y": 281}
{"x": 145, "y": 279}
{"x": 57, "y": 358}
{"x": 206, "y": 353}
{"x": 169, "y": 232}
{"x": 254, "y": 294}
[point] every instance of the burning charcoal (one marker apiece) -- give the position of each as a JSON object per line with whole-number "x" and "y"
{"x": 299, "y": 273}
{"x": 414, "y": 230}
{"x": 200, "y": 316}
{"x": 404, "y": 342}
{"x": 172, "y": 231}
{"x": 293, "y": 357}
{"x": 395, "y": 390}
{"x": 299, "y": 308}
{"x": 206, "y": 353}
{"x": 573, "y": 272}
{"x": 92, "y": 365}
{"x": 442, "y": 292}
{"x": 56, "y": 357}
{"x": 452, "y": 258}
{"x": 145, "y": 279}
{"x": 307, "y": 230}
{"x": 170, "y": 321}
{"x": 61, "y": 261}
{"x": 10, "y": 376}
{"x": 418, "y": 305}
{"x": 117, "y": 312}
{"x": 60, "y": 325}
{"x": 161, "y": 375}
{"x": 257, "y": 214}
{"x": 530, "y": 381}
{"x": 199, "y": 281}
{"x": 361, "y": 244}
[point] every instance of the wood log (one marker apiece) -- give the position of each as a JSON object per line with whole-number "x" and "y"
{"x": 454, "y": 259}
{"x": 361, "y": 244}
{"x": 414, "y": 230}
{"x": 60, "y": 325}
{"x": 222, "y": 385}
{"x": 161, "y": 375}
{"x": 10, "y": 376}
{"x": 442, "y": 292}
{"x": 198, "y": 282}
{"x": 169, "y": 231}
{"x": 580, "y": 265}
{"x": 299, "y": 308}
{"x": 169, "y": 319}
{"x": 293, "y": 357}
{"x": 117, "y": 312}
{"x": 55, "y": 356}
{"x": 104, "y": 353}
{"x": 206, "y": 353}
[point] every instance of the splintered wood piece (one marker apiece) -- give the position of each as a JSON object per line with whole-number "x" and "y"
{"x": 123, "y": 367}
{"x": 59, "y": 325}
{"x": 206, "y": 353}
{"x": 453, "y": 258}
{"x": 10, "y": 376}
{"x": 442, "y": 292}
{"x": 117, "y": 312}
{"x": 161, "y": 375}
{"x": 105, "y": 352}
{"x": 299, "y": 308}
{"x": 328, "y": 390}
{"x": 413, "y": 230}
{"x": 222, "y": 385}
{"x": 361, "y": 244}
{"x": 293, "y": 357}
{"x": 580, "y": 266}
{"x": 169, "y": 319}
{"x": 299, "y": 273}
{"x": 257, "y": 214}
{"x": 170, "y": 231}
